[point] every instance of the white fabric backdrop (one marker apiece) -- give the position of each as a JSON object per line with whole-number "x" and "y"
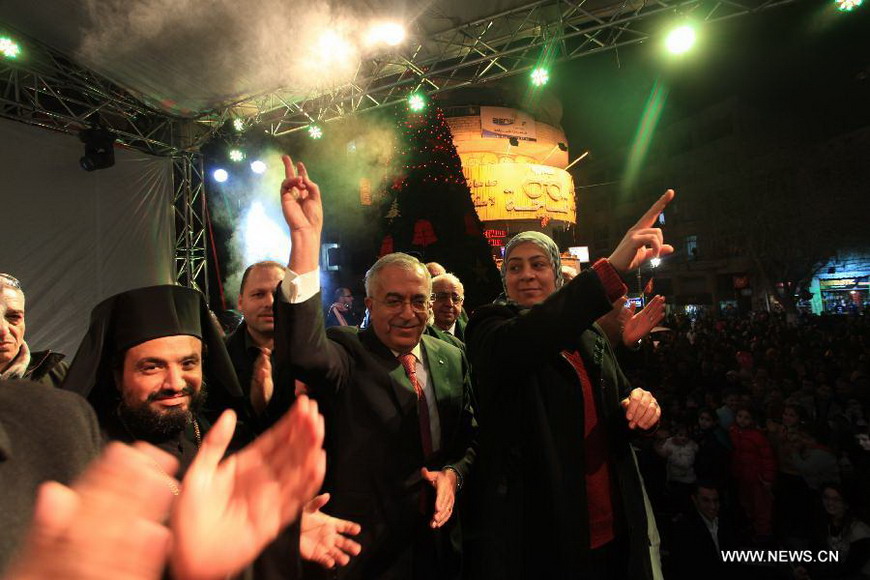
{"x": 74, "y": 238}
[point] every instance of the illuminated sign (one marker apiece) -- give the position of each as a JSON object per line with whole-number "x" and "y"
{"x": 504, "y": 123}
{"x": 521, "y": 191}
{"x": 580, "y": 252}
{"x": 838, "y": 282}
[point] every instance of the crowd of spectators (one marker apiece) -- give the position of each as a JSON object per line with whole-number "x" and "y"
{"x": 773, "y": 416}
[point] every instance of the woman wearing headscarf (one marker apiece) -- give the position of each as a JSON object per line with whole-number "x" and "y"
{"x": 557, "y": 492}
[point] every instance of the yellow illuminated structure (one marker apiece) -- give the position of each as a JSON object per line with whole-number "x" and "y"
{"x": 515, "y": 168}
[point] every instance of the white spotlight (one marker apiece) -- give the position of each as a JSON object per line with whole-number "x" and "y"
{"x": 220, "y": 175}
{"x": 265, "y": 236}
{"x": 681, "y": 39}
{"x": 389, "y": 33}
{"x": 655, "y": 262}
{"x": 332, "y": 47}
{"x": 258, "y": 166}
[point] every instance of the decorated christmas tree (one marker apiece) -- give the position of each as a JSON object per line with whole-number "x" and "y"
{"x": 428, "y": 209}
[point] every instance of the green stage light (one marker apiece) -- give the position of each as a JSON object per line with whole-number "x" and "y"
{"x": 847, "y": 5}
{"x": 239, "y": 124}
{"x": 9, "y": 48}
{"x": 236, "y": 155}
{"x": 681, "y": 39}
{"x": 315, "y": 132}
{"x": 416, "y": 102}
{"x": 540, "y": 76}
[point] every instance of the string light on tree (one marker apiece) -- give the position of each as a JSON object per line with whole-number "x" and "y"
{"x": 427, "y": 203}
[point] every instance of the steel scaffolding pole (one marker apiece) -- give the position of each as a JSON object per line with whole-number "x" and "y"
{"x": 191, "y": 258}
{"x": 53, "y": 93}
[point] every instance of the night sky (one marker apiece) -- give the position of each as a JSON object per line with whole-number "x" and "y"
{"x": 804, "y": 60}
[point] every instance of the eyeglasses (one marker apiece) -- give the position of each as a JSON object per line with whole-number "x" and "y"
{"x": 9, "y": 280}
{"x": 419, "y": 304}
{"x": 444, "y": 296}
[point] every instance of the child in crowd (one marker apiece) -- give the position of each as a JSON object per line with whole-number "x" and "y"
{"x": 753, "y": 467}
{"x": 680, "y": 452}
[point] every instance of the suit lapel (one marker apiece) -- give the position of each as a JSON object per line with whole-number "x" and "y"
{"x": 442, "y": 376}
{"x": 460, "y": 329}
{"x": 400, "y": 385}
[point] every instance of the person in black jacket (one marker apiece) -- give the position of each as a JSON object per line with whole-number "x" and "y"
{"x": 16, "y": 359}
{"x": 558, "y": 493}
{"x": 700, "y": 535}
{"x": 154, "y": 367}
{"x": 114, "y": 520}
{"x": 399, "y": 421}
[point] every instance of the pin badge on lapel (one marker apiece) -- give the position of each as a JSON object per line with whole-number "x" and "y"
{"x": 598, "y": 353}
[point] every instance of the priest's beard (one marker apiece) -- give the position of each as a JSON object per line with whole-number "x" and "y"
{"x": 149, "y": 424}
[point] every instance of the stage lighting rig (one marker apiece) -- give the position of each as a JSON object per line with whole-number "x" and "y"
{"x": 99, "y": 148}
{"x": 416, "y": 102}
{"x": 847, "y": 5}
{"x": 388, "y": 33}
{"x": 9, "y": 48}
{"x": 540, "y": 76}
{"x": 681, "y": 40}
{"x": 315, "y": 132}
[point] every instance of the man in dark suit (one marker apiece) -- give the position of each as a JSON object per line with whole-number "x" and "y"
{"x": 250, "y": 345}
{"x": 448, "y": 296}
{"x": 700, "y": 535}
{"x": 397, "y": 404}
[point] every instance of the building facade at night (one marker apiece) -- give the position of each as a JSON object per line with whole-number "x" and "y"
{"x": 759, "y": 202}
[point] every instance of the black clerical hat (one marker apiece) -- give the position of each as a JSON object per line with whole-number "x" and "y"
{"x": 136, "y": 316}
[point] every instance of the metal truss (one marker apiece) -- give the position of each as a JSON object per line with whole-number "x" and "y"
{"x": 54, "y": 93}
{"x": 502, "y": 45}
{"x": 191, "y": 258}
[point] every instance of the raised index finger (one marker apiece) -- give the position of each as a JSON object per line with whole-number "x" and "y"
{"x": 649, "y": 218}
{"x": 289, "y": 168}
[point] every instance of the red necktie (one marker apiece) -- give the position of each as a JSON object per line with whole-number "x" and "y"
{"x": 409, "y": 362}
